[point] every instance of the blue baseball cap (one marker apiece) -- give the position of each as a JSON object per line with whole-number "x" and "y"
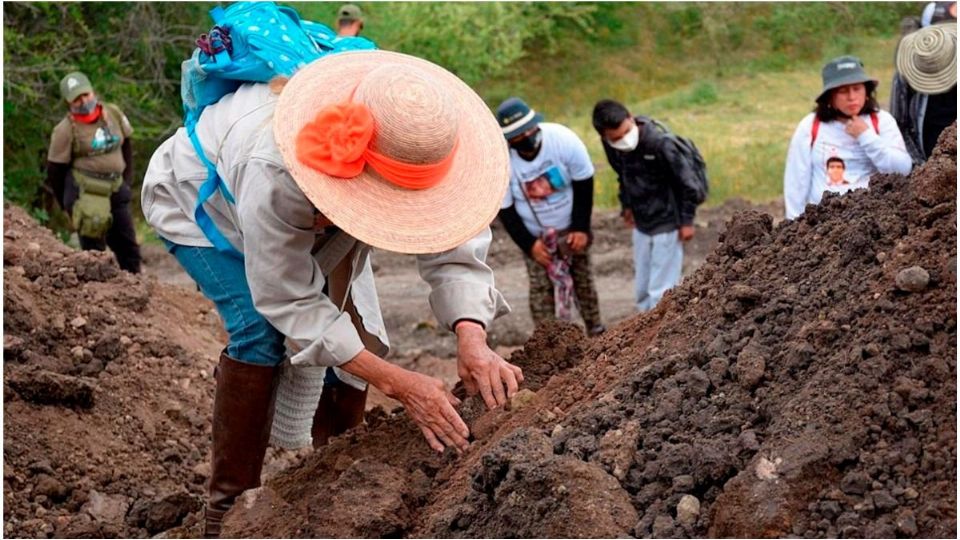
{"x": 516, "y": 117}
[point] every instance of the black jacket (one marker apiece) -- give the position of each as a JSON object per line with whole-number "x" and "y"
{"x": 653, "y": 181}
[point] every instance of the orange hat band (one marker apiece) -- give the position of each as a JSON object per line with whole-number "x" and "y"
{"x": 337, "y": 143}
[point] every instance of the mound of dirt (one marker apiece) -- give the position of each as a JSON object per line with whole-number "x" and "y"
{"x": 107, "y": 392}
{"x": 802, "y": 383}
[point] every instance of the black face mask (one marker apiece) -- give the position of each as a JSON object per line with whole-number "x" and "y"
{"x": 529, "y": 147}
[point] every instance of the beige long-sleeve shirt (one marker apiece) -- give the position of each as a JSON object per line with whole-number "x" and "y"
{"x": 272, "y": 225}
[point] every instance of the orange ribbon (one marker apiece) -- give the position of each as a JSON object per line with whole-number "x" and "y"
{"x": 337, "y": 143}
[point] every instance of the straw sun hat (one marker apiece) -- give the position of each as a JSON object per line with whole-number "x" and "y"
{"x": 426, "y": 123}
{"x": 927, "y": 58}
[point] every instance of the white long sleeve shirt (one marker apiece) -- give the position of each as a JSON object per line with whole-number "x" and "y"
{"x": 805, "y": 178}
{"x": 272, "y": 225}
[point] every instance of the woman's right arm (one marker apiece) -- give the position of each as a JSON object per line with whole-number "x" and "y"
{"x": 798, "y": 174}
{"x": 426, "y": 399}
{"x": 286, "y": 284}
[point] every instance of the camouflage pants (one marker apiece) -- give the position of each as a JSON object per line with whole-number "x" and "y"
{"x": 585, "y": 292}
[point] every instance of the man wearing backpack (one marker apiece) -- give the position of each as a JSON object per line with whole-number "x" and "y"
{"x": 90, "y": 171}
{"x": 661, "y": 181}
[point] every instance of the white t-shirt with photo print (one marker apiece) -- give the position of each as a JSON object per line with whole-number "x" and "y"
{"x": 563, "y": 159}
{"x": 807, "y": 176}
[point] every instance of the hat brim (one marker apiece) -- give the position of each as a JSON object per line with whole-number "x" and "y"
{"x": 851, "y": 79}
{"x": 77, "y": 91}
{"x": 924, "y": 82}
{"x": 372, "y": 209}
{"x": 537, "y": 118}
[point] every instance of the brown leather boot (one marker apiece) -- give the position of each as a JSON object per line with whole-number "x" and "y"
{"x": 242, "y": 413}
{"x": 341, "y": 407}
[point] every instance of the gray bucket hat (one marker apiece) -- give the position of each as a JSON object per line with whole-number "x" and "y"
{"x": 842, "y": 71}
{"x": 927, "y": 59}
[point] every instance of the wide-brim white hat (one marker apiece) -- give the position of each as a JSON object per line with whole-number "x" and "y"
{"x": 927, "y": 58}
{"x": 371, "y": 208}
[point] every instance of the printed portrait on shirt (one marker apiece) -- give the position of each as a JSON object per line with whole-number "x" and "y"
{"x": 836, "y": 169}
{"x": 542, "y": 186}
{"x": 843, "y": 168}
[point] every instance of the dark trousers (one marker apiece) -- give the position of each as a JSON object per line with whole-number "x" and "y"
{"x": 122, "y": 237}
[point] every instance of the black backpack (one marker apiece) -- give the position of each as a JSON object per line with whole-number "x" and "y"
{"x": 691, "y": 154}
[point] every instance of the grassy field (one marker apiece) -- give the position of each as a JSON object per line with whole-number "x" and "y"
{"x": 742, "y": 121}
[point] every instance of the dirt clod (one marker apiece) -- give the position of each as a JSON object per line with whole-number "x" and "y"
{"x": 913, "y": 279}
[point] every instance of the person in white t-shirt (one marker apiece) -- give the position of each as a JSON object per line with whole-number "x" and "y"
{"x": 848, "y": 124}
{"x": 550, "y": 199}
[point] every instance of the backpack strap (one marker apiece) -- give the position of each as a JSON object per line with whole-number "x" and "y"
{"x": 211, "y": 185}
{"x": 874, "y": 119}
{"x": 214, "y": 183}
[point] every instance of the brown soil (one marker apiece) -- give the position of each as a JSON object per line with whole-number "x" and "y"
{"x": 802, "y": 383}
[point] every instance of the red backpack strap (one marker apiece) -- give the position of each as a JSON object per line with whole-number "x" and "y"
{"x": 874, "y": 119}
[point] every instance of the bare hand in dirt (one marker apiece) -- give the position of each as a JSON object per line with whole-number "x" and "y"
{"x": 578, "y": 241}
{"x": 430, "y": 406}
{"x": 628, "y": 218}
{"x": 426, "y": 399}
{"x": 482, "y": 370}
{"x": 685, "y": 233}
{"x": 540, "y": 253}
{"x": 855, "y": 126}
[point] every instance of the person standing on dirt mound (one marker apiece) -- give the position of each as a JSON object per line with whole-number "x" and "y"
{"x": 547, "y": 210}
{"x": 659, "y": 192}
{"x": 846, "y": 123}
{"x": 356, "y": 150}
{"x": 90, "y": 171}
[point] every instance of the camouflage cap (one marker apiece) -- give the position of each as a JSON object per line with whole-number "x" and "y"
{"x": 73, "y": 85}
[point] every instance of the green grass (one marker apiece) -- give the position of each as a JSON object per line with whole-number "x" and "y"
{"x": 742, "y": 121}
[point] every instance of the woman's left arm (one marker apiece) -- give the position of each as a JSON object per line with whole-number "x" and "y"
{"x": 461, "y": 283}
{"x": 886, "y": 150}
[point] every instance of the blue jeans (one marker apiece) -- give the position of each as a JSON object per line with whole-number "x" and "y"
{"x": 657, "y": 263}
{"x": 223, "y": 280}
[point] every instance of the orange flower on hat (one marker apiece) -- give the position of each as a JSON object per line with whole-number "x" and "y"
{"x": 335, "y": 141}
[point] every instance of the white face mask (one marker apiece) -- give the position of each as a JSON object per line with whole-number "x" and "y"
{"x": 627, "y": 143}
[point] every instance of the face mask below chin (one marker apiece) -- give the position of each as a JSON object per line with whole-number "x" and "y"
{"x": 529, "y": 147}
{"x": 627, "y": 143}
{"x": 85, "y": 108}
